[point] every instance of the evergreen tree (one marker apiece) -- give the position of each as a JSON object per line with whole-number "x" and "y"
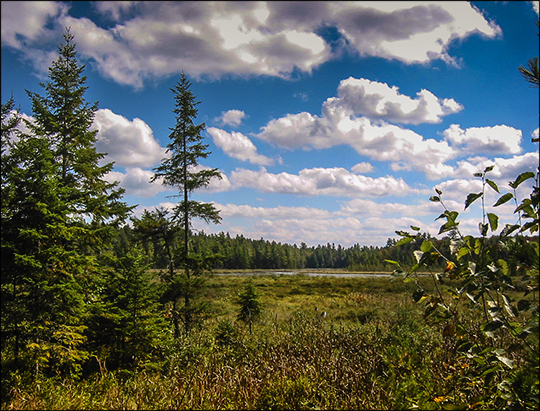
{"x": 182, "y": 171}
{"x": 56, "y": 218}
{"x": 127, "y": 328}
{"x": 251, "y": 306}
{"x": 531, "y": 74}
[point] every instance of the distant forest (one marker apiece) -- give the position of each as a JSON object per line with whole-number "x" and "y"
{"x": 239, "y": 252}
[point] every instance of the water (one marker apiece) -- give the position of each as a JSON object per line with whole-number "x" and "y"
{"x": 309, "y": 274}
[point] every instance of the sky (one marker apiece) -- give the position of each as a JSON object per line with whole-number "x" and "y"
{"x": 330, "y": 122}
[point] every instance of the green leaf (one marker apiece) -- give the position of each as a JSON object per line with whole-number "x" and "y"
{"x": 404, "y": 240}
{"x": 450, "y": 225}
{"x": 435, "y": 199}
{"x": 471, "y": 198}
{"x": 521, "y": 178}
{"x": 493, "y": 185}
{"x": 463, "y": 251}
{"x": 488, "y": 169}
{"x": 505, "y": 198}
{"x": 527, "y": 210}
{"x": 438, "y": 191}
{"x": 426, "y": 246}
{"x": 415, "y": 228}
{"x": 493, "y": 221}
{"x": 492, "y": 326}
{"x": 409, "y": 280}
{"x": 392, "y": 262}
{"x": 506, "y": 361}
{"x": 508, "y": 229}
{"x": 478, "y": 174}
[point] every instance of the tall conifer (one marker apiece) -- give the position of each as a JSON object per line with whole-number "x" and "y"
{"x": 181, "y": 170}
{"x": 56, "y": 219}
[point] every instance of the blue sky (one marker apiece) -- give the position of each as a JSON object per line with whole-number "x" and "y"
{"x": 331, "y": 122}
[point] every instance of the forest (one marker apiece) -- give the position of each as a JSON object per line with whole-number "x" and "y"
{"x": 105, "y": 310}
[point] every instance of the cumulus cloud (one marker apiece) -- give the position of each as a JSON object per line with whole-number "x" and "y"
{"x": 238, "y": 146}
{"x": 504, "y": 169}
{"x": 279, "y": 212}
{"x": 339, "y": 124}
{"x": 362, "y": 168}
{"x": 490, "y": 140}
{"x": 360, "y": 207}
{"x": 311, "y": 225}
{"x": 136, "y": 182}
{"x": 231, "y": 117}
{"x": 128, "y": 143}
{"x": 410, "y": 32}
{"x": 24, "y": 28}
{"x": 216, "y": 184}
{"x": 321, "y": 181}
{"x": 380, "y": 101}
{"x": 156, "y": 39}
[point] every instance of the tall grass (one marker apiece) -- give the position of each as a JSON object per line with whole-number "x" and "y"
{"x": 372, "y": 351}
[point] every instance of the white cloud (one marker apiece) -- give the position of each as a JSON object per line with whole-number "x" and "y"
{"x": 156, "y": 39}
{"x": 216, "y": 184}
{"x": 489, "y": 140}
{"x": 405, "y": 149}
{"x": 379, "y": 101}
{"x": 238, "y": 146}
{"x": 24, "y": 22}
{"x": 231, "y": 117}
{"x": 136, "y": 182}
{"x": 505, "y": 169}
{"x": 411, "y": 32}
{"x": 360, "y": 207}
{"x": 363, "y": 168}
{"x": 279, "y": 212}
{"x": 115, "y": 10}
{"x": 128, "y": 143}
{"x": 321, "y": 181}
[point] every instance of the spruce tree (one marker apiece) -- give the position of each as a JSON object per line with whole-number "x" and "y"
{"x": 56, "y": 218}
{"x": 251, "y": 306}
{"x": 181, "y": 170}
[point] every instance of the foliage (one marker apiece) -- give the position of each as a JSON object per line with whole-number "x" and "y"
{"x": 182, "y": 171}
{"x": 57, "y": 212}
{"x": 501, "y": 348}
{"x": 293, "y": 360}
{"x": 250, "y": 305}
{"x": 531, "y": 74}
{"x": 127, "y": 327}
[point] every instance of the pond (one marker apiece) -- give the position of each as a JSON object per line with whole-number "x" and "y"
{"x": 308, "y": 273}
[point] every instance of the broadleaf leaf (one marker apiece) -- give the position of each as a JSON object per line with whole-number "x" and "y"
{"x": 471, "y": 198}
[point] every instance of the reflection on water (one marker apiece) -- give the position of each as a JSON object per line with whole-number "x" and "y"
{"x": 309, "y": 274}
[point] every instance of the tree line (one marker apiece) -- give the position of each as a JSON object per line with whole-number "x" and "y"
{"x": 240, "y": 252}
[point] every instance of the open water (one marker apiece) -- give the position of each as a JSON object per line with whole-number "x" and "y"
{"x": 309, "y": 274}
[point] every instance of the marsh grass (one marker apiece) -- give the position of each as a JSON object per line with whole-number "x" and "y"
{"x": 372, "y": 351}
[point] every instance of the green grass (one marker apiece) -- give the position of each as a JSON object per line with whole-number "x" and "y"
{"x": 372, "y": 351}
